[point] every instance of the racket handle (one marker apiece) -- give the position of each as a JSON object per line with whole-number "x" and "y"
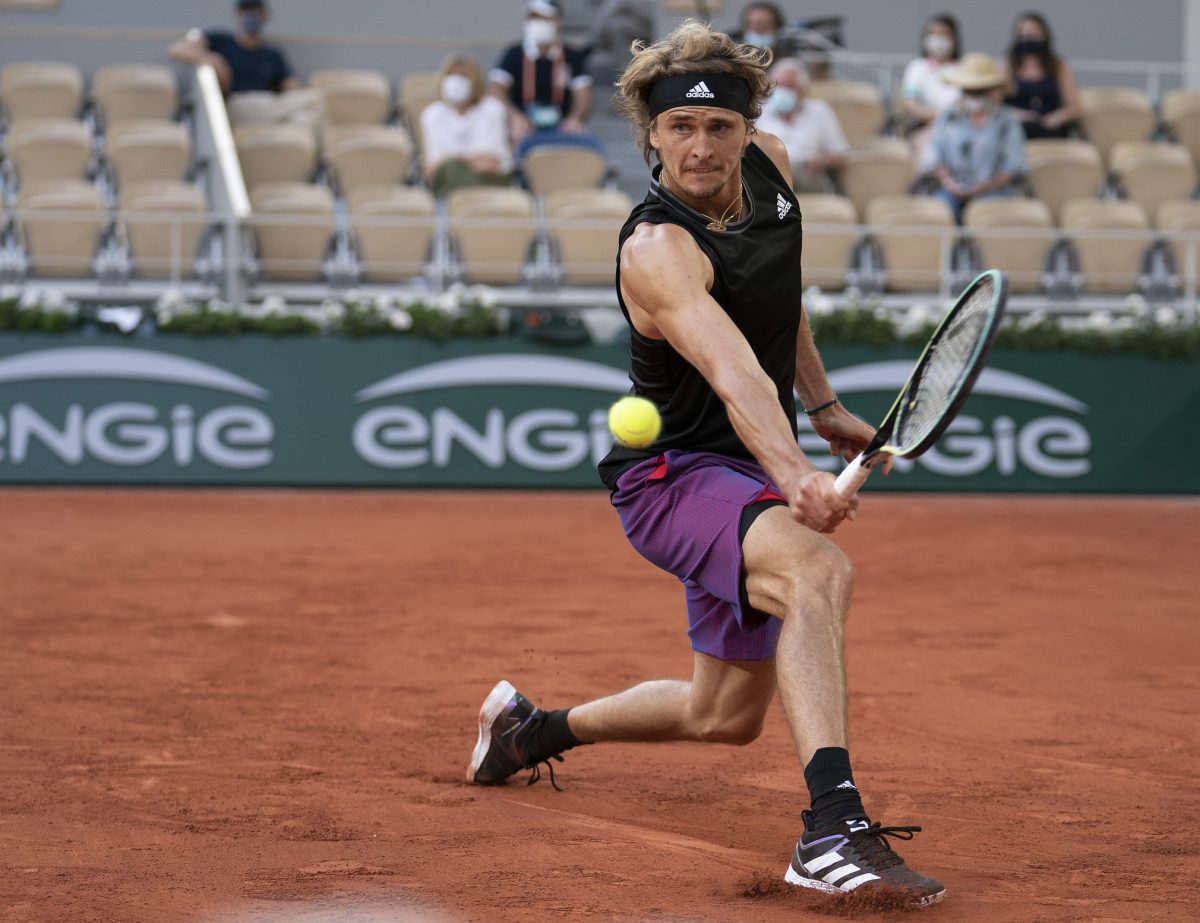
{"x": 853, "y": 477}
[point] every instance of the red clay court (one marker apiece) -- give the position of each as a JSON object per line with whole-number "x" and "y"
{"x": 251, "y": 705}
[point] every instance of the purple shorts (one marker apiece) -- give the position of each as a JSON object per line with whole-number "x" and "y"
{"x": 682, "y": 512}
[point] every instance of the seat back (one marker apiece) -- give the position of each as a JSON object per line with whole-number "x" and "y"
{"x": 913, "y": 260}
{"x": 41, "y": 90}
{"x": 830, "y": 232}
{"x": 858, "y": 105}
{"x": 146, "y": 150}
{"x": 394, "y": 226}
{"x": 1113, "y": 114}
{"x": 61, "y": 222}
{"x": 1181, "y": 114}
{"x": 492, "y": 229}
{"x": 1109, "y": 264}
{"x": 414, "y": 92}
{"x": 50, "y": 149}
{"x": 354, "y": 97}
{"x": 275, "y": 153}
{"x": 1180, "y": 218}
{"x": 1063, "y": 170}
{"x": 368, "y": 155}
{"x": 293, "y": 223}
{"x": 552, "y": 167}
{"x": 1022, "y": 256}
{"x": 164, "y": 221}
{"x": 1153, "y": 173}
{"x": 127, "y": 92}
{"x": 883, "y": 166}
{"x": 585, "y": 224}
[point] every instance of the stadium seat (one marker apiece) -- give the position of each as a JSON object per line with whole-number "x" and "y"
{"x": 585, "y": 224}
{"x": 144, "y": 150}
{"x": 275, "y": 153}
{"x": 162, "y": 247}
{"x": 354, "y": 97}
{"x": 41, "y": 90}
{"x": 50, "y": 149}
{"x": 61, "y": 222}
{"x": 394, "y": 226}
{"x": 830, "y": 233}
{"x": 492, "y": 229}
{"x": 1109, "y": 264}
{"x": 128, "y": 92}
{"x": 1060, "y": 171}
{"x": 857, "y": 103}
{"x": 913, "y": 260}
{"x": 1180, "y": 217}
{"x": 1113, "y": 114}
{"x": 1181, "y": 116}
{"x": 552, "y": 167}
{"x": 1022, "y": 257}
{"x": 414, "y": 92}
{"x": 293, "y": 223}
{"x": 879, "y": 166}
{"x": 1151, "y": 173}
{"x": 362, "y": 155}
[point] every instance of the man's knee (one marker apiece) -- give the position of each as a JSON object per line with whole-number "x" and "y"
{"x": 738, "y": 728}
{"x": 828, "y": 574}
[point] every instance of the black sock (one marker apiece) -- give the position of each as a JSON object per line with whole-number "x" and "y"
{"x": 831, "y": 787}
{"x": 551, "y": 736}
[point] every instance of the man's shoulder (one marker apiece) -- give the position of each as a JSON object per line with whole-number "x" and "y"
{"x": 218, "y": 38}
{"x": 510, "y": 58}
{"x": 576, "y": 59}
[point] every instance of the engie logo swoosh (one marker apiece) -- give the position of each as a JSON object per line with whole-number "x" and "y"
{"x": 519, "y": 369}
{"x": 124, "y": 363}
{"x": 891, "y": 376}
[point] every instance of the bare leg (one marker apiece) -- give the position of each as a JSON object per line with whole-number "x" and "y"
{"x": 803, "y": 578}
{"x": 725, "y": 702}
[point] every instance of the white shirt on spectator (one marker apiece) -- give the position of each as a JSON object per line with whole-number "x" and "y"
{"x": 482, "y": 129}
{"x": 811, "y": 131}
{"x": 923, "y": 83}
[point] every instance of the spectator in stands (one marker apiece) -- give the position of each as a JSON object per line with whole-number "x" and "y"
{"x": 465, "y": 132}
{"x": 978, "y": 146}
{"x": 807, "y": 127}
{"x": 544, "y": 84}
{"x": 764, "y": 25}
{"x": 925, "y": 93}
{"x": 616, "y": 26}
{"x": 1042, "y": 88}
{"x": 255, "y": 75}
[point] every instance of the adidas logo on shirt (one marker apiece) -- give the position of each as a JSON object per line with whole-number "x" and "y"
{"x": 700, "y": 91}
{"x": 783, "y": 206}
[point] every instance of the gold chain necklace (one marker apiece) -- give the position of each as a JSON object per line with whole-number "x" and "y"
{"x": 732, "y": 213}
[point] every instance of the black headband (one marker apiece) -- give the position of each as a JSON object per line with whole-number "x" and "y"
{"x": 721, "y": 91}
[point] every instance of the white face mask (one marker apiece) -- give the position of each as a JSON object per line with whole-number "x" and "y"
{"x": 971, "y": 103}
{"x": 783, "y": 100}
{"x": 541, "y": 32}
{"x": 759, "y": 39}
{"x": 938, "y": 46}
{"x": 456, "y": 88}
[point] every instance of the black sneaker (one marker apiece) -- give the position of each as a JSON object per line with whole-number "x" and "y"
{"x": 855, "y": 853}
{"x": 505, "y": 721}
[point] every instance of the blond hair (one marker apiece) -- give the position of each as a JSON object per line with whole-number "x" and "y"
{"x": 691, "y": 49}
{"x": 471, "y": 71}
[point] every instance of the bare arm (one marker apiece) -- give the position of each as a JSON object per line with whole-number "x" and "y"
{"x": 581, "y": 107}
{"x": 1071, "y": 108}
{"x": 193, "y": 49}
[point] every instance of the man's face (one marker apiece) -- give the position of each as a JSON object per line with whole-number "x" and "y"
{"x": 789, "y": 80}
{"x": 760, "y": 21}
{"x": 700, "y": 147}
{"x": 251, "y": 19}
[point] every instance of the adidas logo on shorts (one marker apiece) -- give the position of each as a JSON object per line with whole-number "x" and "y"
{"x": 700, "y": 91}
{"x": 783, "y": 206}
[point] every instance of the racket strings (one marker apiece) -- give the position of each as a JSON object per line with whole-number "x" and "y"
{"x": 949, "y": 361}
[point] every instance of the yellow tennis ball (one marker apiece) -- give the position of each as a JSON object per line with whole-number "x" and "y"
{"x": 634, "y": 422}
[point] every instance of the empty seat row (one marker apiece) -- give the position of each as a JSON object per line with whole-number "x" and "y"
{"x": 121, "y": 92}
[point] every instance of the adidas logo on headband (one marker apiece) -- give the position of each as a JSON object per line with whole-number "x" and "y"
{"x": 700, "y": 91}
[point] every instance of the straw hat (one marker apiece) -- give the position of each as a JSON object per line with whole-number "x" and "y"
{"x": 978, "y": 71}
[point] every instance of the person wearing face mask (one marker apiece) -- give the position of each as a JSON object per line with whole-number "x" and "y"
{"x": 1043, "y": 91}
{"x": 925, "y": 93}
{"x": 544, "y": 85}
{"x": 807, "y": 127}
{"x": 243, "y": 60}
{"x": 464, "y": 133}
{"x": 978, "y": 148}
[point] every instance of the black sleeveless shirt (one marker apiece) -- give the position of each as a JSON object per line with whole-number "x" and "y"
{"x": 756, "y": 281}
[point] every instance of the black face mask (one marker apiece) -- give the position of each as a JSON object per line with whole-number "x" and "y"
{"x": 1034, "y": 46}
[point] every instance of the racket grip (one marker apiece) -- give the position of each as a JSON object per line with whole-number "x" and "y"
{"x": 852, "y": 477}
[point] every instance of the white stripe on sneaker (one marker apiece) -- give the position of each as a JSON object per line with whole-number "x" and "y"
{"x": 855, "y": 882}
{"x": 841, "y": 872}
{"x": 823, "y": 862}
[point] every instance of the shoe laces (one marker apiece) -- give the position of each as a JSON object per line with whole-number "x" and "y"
{"x": 873, "y": 846}
{"x": 536, "y": 774}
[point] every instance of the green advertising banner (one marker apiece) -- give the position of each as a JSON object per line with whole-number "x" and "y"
{"x": 514, "y": 413}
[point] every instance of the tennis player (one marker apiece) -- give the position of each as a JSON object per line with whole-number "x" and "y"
{"x": 709, "y": 279}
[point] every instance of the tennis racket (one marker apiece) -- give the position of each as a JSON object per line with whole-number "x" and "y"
{"x": 940, "y": 383}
